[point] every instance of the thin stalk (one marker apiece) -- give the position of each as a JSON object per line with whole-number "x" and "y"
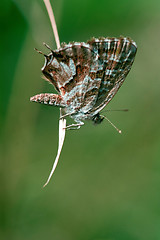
{"x": 62, "y": 121}
{"x": 53, "y": 22}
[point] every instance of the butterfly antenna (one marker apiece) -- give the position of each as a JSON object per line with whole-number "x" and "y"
{"x": 40, "y": 52}
{"x": 47, "y": 46}
{"x": 116, "y": 110}
{"x": 118, "y": 130}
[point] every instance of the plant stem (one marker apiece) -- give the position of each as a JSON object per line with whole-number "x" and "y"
{"x": 53, "y": 22}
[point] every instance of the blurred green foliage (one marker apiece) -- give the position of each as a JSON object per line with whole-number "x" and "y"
{"x": 106, "y": 185}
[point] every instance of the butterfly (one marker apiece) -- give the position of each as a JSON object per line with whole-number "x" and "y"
{"x": 86, "y": 76}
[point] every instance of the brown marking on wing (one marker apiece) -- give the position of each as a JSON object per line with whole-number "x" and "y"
{"x": 115, "y": 70}
{"x": 89, "y": 74}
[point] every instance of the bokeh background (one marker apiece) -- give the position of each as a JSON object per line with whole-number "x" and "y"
{"x": 106, "y": 185}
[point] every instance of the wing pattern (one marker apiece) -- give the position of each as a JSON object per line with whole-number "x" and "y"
{"x": 117, "y": 56}
{"x": 88, "y": 75}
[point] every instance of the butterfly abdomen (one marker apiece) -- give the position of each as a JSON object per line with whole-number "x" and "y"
{"x": 48, "y": 99}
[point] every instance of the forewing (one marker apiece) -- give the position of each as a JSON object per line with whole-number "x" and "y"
{"x": 72, "y": 70}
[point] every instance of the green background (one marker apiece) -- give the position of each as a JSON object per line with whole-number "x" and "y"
{"x": 106, "y": 185}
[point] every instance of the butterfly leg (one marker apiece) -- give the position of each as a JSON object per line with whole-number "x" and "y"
{"x": 48, "y": 99}
{"x": 67, "y": 114}
{"x": 74, "y": 126}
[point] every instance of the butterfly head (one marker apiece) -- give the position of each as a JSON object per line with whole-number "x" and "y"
{"x": 97, "y": 119}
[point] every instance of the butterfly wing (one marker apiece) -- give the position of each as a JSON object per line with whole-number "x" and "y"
{"x": 88, "y": 75}
{"x": 72, "y": 70}
{"x": 116, "y": 56}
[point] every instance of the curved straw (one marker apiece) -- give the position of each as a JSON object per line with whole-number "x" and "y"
{"x": 62, "y": 122}
{"x": 53, "y": 22}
